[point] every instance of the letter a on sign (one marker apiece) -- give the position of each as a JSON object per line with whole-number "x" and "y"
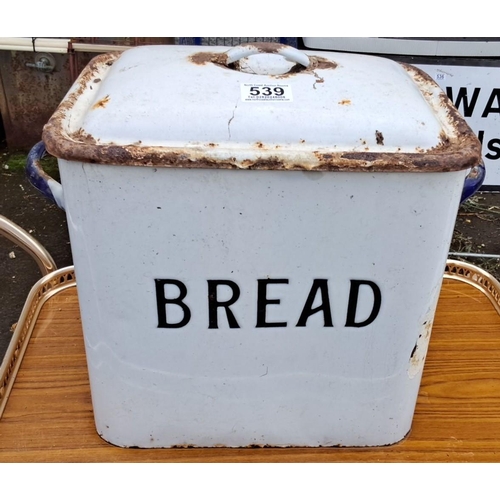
{"x": 322, "y": 287}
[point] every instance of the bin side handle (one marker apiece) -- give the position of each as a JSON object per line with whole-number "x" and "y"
{"x": 50, "y": 188}
{"x": 473, "y": 182}
{"x": 250, "y": 49}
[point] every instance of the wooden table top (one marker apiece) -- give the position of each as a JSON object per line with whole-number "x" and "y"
{"x": 48, "y": 416}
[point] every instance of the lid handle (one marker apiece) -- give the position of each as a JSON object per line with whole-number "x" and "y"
{"x": 249, "y": 49}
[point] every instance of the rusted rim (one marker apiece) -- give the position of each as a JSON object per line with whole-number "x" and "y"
{"x": 452, "y": 154}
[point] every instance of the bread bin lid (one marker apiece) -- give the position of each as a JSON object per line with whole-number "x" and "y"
{"x": 259, "y": 106}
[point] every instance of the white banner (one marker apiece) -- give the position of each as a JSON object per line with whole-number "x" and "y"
{"x": 475, "y": 92}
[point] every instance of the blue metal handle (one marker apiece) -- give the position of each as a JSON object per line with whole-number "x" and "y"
{"x": 50, "y": 188}
{"x": 473, "y": 182}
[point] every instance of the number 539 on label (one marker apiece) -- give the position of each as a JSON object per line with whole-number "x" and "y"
{"x": 265, "y": 92}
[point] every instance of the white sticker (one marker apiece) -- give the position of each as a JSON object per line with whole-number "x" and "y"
{"x": 266, "y": 92}
{"x": 440, "y": 77}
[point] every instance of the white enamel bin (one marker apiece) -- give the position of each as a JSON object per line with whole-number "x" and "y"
{"x": 259, "y": 237}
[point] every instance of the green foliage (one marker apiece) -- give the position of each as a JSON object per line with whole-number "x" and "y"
{"x": 16, "y": 162}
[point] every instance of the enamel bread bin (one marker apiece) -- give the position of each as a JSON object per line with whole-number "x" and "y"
{"x": 259, "y": 238}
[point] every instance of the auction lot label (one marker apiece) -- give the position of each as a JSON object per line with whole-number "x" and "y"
{"x": 475, "y": 92}
{"x": 259, "y": 92}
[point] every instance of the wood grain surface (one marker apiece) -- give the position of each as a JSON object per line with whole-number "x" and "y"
{"x": 48, "y": 417}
